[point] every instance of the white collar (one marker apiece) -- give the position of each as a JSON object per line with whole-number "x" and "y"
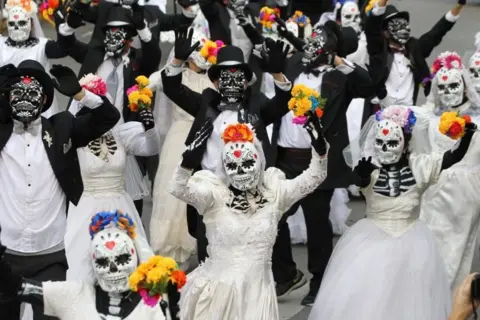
{"x": 125, "y": 58}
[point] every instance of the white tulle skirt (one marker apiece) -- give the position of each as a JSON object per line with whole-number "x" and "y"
{"x": 374, "y": 276}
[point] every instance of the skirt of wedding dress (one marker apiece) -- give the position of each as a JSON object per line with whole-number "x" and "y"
{"x": 339, "y": 212}
{"x": 375, "y": 276}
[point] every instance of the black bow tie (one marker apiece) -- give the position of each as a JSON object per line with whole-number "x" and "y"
{"x": 401, "y": 50}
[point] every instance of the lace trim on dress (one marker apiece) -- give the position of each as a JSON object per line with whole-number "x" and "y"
{"x": 24, "y": 44}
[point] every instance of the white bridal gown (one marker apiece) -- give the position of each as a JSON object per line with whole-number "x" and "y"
{"x": 168, "y": 225}
{"x": 102, "y": 165}
{"x": 236, "y": 281}
{"x": 388, "y": 266}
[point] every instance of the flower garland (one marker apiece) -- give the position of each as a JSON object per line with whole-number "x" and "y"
{"x": 28, "y": 5}
{"x": 453, "y": 125}
{"x": 268, "y": 17}
{"x": 238, "y": 132}
{"x": 448, "y": 60}
{"x": 94, "y": 84}
{"x": 117, "y": 219}
{"x": 139, "y": 96}
{"x": 151, "y": 279}
{"x": 404, "y": 117}
{"x": 47, "y": 9}
{"x": 303, "y": 101}
{"x": 210, "y": 49}
{"x": 300, "y": 19}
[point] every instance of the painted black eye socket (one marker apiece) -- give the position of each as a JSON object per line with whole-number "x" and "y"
{"x": 453, "y": 86}
{"x": 102, "y": 262}
{"x": 441, "y": 87}
{"x": 123, "y": 259}
{"x": 247, "y": 164}
{"x": 379, "y": 142}
{"x": 348, "y": 16}
{"x": 22, "y": 23}
{"x": 11, "y": 24}
{"x": 231, "y": 166}
{"x": 392, "y": 143}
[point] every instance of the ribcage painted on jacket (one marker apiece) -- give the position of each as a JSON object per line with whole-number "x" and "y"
{"x": 392, "y": 183}
{"x": 104, "y": 146}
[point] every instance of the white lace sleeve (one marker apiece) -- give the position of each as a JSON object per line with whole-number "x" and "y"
{"x": 138, "y": 142}
{"x": 195, "y": 189}
{"x": 61, "y": 298}
{"x": 288, "y": 192}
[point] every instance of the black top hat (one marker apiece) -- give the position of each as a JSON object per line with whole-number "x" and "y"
{"x": 35, "y": 70}
{"x": 119, "y": 16}
{"x": 392, "y": 12}
{"x": 350, "y": 41}
{"x": 229, "y": 57}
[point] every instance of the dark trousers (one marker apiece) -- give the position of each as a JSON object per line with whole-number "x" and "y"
{"x": 316, "y": 208}
{"x": 139, "y": 206}
{"x": 196, "y": 228}
{"x": 42, "y": 268}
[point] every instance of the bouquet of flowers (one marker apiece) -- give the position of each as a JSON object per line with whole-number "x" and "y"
{"x": 47, "y": 9}
{"x": 404, "y": 117}
{"x": 94, "y": 84}
{"x": 453, "y": 125}
{"x": 303, "y": 101}
{"x": 139, "y": 96}
{"x": 151, "y": 278}
{"x": 268, "y": 17}
{"x": 210, "y": 49}
{"x": 300, "y": 19}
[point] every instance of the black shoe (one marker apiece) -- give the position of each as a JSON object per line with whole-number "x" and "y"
{"x": 284, "y": 289}
{"x": 309, "y": 299}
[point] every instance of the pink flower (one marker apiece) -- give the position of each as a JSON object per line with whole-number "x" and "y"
{"x": 98, "y": 86}
{"x": 299, "y": 120}
{"x": 132, "y": 89}
{"x": 151, "y": 301}
{"x": 219, "y": 43}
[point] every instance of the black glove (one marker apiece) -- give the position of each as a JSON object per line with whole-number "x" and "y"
{"x": 192, "y": 157}
{"x": 462, "y": 2}
{"x": 364, "y": 168}
{"x": 187, "y": 3}
{"x": 183, "y": 44}
{"x": 274, "y": 54}
{"x": 59, "y": 15}
{"x": 74, "y": 19}
{"x": 137, "y": 17}
{"x": 65, "y": 80}
{"x": 8, "y": 76}
{"x": 283, "y": 32}
{"x": 146, "y": 116}
{"x": 241, "y": 17}
{"x": 315, "y": 130}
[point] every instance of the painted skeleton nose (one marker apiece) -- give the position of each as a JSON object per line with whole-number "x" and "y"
{"x": 240, "y": 170}
{"x": 384, "y": 147}
{"x": 113, "y": 267}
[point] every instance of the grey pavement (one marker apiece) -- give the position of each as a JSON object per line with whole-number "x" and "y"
{"x": 424, "y": 14}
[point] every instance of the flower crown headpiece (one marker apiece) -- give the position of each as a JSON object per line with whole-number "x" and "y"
{"x": 448, "y": 60}
{"x": 210, "y": 50}
{"x": 47, "y": 9}
{"x": 268, "y": 17}
{"x": 369, "y": 7}
{"x": 29, "y": 5}
{"x": 104, "y": 220}
{"x": 239, "y": 132}
{"x": 300, "y": 19}
{"x": 404, "y": 117}
{"x": 94, "y": 84}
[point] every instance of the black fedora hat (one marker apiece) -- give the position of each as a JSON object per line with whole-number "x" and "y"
{"x": 229, "y": 57}
{"x": 34, "y": 70}
{"x": 392, "y": 12}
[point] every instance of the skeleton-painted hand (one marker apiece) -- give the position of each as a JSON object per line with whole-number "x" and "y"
{"x": 146, "y": 116}
{"x": 183, "y": 44}
{"x": 364, "y": 168}
{"x": 75, "y": 18}
{"x": 274, "y": 54}
{"x": 65, "y": 81}
{"x": 241, "y": 17}
{"x": 192, "y": 157}
{"x": 315, "y": 130}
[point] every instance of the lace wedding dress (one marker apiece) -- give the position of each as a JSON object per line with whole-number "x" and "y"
{"x": 236, "y": 281}
{"x": 388, "y": 266}
{"x": 168, "y": 225}
{"x": 102, "y": 165}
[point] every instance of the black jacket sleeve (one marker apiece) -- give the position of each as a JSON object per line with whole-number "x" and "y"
{"x": 433, "y": 38}
{"x": 276, "y": 107}
{"x": 360, "y": 84}
{"x": 458, "y": 152}
{"x": 150, "y": 57}
{"x": 168, "y": 22}
{"x": 184, "y": 97}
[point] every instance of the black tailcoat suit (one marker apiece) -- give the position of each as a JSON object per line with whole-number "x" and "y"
{"x": 338, "y": 89}
{"x": 417, "y": 51}
{"x": 261, "y": 112}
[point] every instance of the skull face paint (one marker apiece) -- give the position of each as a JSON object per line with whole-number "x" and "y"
{"x": 450, "y": 87}
{"x": 114, "y": 258}
{"x": 350, "y": 16}
{"x": 389, "y": 142}
{"x": 19, "y": 24}
{"x": 116, "y": 40}
{"x": 399, "y": 29}
{"x": 242, "y": 165}
{"x": 26, "y": 100}
{"x": 317, "y": 51}
{"x": 474, "y": 70}
{"x": 232, "y": 85}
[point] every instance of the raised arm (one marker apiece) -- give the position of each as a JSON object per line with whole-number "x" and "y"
{"x": 457, "y": 153}
{"x": 140, "y": 140}
{"x": 67, "y": 40}
{"x": 168, "y": 22}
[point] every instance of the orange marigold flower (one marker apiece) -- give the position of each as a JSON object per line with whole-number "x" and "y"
{"x": 179, "y": 278}
{"x": 237, "y": 132}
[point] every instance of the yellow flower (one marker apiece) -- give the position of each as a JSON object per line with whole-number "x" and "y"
{"x": 291, "y": 103}
{"x": 145, "y": 99}
{"x": 147, "y": 92}
{"x": 143, "y": 269}
{"x": 142, "y": 81}
{"x": 50, "y": 11}
{"x": 135, "y": 279}
{"x": 155, "y": 275}
{"x": 212, "y": 60}
{"x": 133, "y": 97}
{"x": 169, "y": 263}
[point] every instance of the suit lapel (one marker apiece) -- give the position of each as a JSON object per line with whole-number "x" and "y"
{"x": 389, "y": 61}
{"x": 6, "y": 130}
{"x": 94, "y": 59}
{"x": 49, "y": 140}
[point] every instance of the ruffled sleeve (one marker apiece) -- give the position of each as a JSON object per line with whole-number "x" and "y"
{"x": 136, "y": 140}
{"x": 426, "y": 168}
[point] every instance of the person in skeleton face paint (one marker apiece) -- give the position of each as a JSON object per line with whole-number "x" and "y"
{"x": 474, "y": 69}
{"x": 393, "y": 181}
{"x": 115, "y": 254}
{"x": 234, "y": 199}
{"x": 399, "y": 83}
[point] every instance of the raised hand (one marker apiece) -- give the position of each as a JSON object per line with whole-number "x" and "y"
{"x": 192, "y": 157}
{"x": 137, "y": 17}
{"x": 146, "y": 116}
{"x": 183, "y": 44}
{"x": 462, "y": 2}
{"x": 315, "y": 130}
{"x": 365, "y": 167}
{"x": 8, "y": 76}
{"x": 274, "y": 55}
{"x": 65, "y": 80}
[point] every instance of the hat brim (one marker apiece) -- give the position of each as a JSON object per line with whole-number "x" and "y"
{"x": 214, "y": 71}
{"x": 399, "y": 14}
{"x": 45, "y": 81}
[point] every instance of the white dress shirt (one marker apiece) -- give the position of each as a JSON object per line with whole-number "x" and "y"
{"x": 293, "y": 135}
{"x": 32, "y": 202}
